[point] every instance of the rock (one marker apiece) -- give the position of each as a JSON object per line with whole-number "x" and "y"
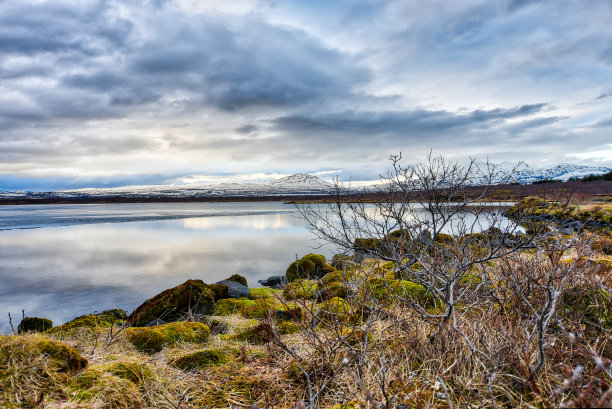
{"x": 34, "y": 324}
{"x": 154, "y": 339}
{"x": 277, "y": 282}
{"x": 234, "y": 289}
{"x": 310, "y": 266}
{"x": 220, "y": 291}
{"x": 25, "y": 351}
{"x": 108, "y": 318}
{"x": 192, "y": 298}
{"x": 239, "y": 279}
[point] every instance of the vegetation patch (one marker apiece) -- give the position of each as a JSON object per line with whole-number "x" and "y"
{"x": 201, "y": 359}
{"x": 237, "y": 278}
{"x": 154, "y": 339}
{"x": 310, "y": 266}
{"x": 264, "y": 292}
{"x": 301, "y": 289}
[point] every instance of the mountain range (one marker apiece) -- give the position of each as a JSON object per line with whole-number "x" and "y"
{"x": 299, "y": 185}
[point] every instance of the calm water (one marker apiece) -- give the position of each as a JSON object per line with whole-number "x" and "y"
{"x": 61, "y": 261}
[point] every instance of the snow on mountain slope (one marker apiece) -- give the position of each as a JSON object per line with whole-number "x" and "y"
{"x": 299, "y": 184}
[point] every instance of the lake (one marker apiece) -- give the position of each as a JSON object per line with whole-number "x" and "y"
{"x": 61, "y": 261}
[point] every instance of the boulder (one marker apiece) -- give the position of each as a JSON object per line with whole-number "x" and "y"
{"x": 234, "y": 289}
{"x": 191, "y": 299}
{"x": 239, "y": 279}
{"x": 34, "y": 324}
{"x": 277, "y": 282}
{"x": 311, "y": 266}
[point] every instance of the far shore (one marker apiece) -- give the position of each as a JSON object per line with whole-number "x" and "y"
{"x": 596, "y": 191}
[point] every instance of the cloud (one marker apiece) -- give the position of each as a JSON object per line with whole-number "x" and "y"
{"x": 126, "y": 89}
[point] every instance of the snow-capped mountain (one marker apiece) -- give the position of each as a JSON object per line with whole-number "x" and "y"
{"x": 525, "y": 173}
{"x": 299, "y": 184}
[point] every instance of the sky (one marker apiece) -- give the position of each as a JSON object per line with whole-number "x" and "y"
{"x": 110, "y": 93}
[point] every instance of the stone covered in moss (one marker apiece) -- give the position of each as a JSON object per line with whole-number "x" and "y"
{"x": 341, "y": 262}
{"x": 337, "y": 308}
{"x": 34, "y": 324}
{"x": 193, "y": 297}
{"x": 264, "y": 292}
{"x": 220, "y": 291}
{"x": 59, "y": 356}
{"x": 105, "y": 319}
{"x": 237, "y": 278}
{"x": 154, "y": 339}
{"x": 287, "y": 327}
{"x": 231, "y": 306}
{"x": 301, "y": 289}
{"x": 259, "y": 334}
{"x": 201, "y": 359}
{"x": 310, "y": 266}
{"x": 442, "y": 238}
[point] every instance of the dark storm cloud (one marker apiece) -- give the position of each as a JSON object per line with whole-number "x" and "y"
{"x": 400, "y": 124}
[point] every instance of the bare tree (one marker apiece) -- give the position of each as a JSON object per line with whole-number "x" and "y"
{"x": 454, "y": 257}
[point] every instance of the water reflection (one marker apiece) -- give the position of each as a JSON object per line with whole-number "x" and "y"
{"x": 63, "y": 271}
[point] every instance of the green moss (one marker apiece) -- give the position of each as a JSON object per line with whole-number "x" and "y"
{"x": 231, "y": 306}
{"x": 237, "y": 278}
{"x": 348, "y": 405}
{"x": 389, "y": 265}
{"x": 309, "y": 266}
{"x": 301, "y": 289}
{"x": 366, "y": 245}
{"x": 258, "y": 308}
{"x": 414, "y": 291}
{"x": 288, "y": 312}
{"x": 337, "y": 308}
{"x": 442, "y": 238}
{"x": 106, "y": 389}
{"x": 219, "y": 291}
{"x": 133, "y": 371}
{"x": 34, "y": 324}
{"x": 341, "y": 262}
{"x": 192, "y": 297}
{"x": 264, "y": 292}
{"x": 154, "y": 339}
{"x": 103, "y": 319}
{"x": 201, "y": 359}
{"x": 259, "y": 334}
{"x": 287, "y": 327}
{"x": 59, "y": 356}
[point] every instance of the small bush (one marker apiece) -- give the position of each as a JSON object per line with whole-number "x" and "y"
{"x": 34, "y": 324}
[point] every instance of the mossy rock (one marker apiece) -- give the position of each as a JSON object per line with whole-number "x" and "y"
{"x": 261, "y": 308}
{"x": 337, "y": 308}
{"x": 287, "y": 327}
{"x": 366, "y": 245}
{"x": 193, "y": 297}
{"x": 442, "y": 238}
{"x": 105, "y": 319}
{"x": 414, "y": 291}
{"x": 301, "y": 288}
{"x": 259, "y": 334}
{"x": 34, "y": 324}
{"x": 201, "y": 359}
{"x": 288, "y": 312}
{"x": 230, "y": 306}
{"x": 220, "y": 291}
{"x": 264, "y": 292}
{"x": 237, "y": 278}
{"x": 154, "y": 339}
{"x": 341, "y": 262}
{"x": 59, "y": 356}
{"x": 310, "y": 266}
